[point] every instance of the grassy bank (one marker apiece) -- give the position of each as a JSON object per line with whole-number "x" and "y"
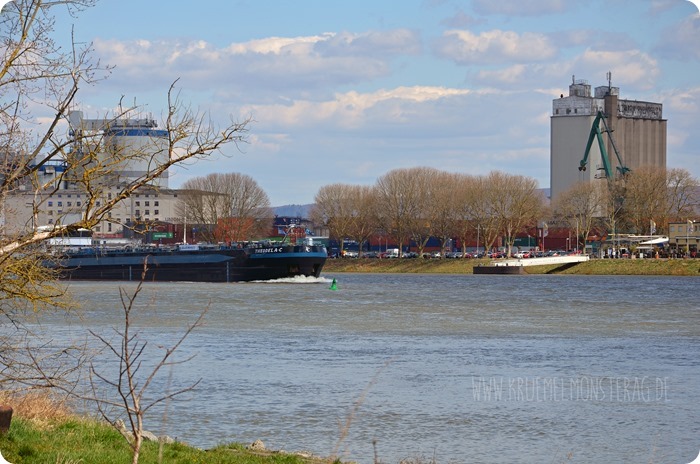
{"x": 44, "y": 431}
{"x": 670, "y": 267}
{"x": 76, "y": 440}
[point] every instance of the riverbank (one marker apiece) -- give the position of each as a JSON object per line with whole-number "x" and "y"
{"x": 670, "y": 267}
{"x": 45, "y": 429}
{"x": 76, "y": 439}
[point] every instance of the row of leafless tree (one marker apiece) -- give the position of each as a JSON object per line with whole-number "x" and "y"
{"x": 412, "y": 205}
{"x": 644, "y": 201}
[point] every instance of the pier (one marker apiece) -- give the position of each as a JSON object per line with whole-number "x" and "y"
{"x": 541, "y": 261}
{"x": 516, "y": 266}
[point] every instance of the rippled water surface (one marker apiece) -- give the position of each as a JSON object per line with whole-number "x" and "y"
{"x": 469, "y": 369}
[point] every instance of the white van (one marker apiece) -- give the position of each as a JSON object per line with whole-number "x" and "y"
{"x": 392, "y": 253}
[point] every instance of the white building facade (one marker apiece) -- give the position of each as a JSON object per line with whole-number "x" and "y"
{"x": 61, "y": 200}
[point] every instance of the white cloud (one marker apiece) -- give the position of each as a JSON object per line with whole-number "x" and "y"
{"x": 631, "y": 68}
{"x": 352, "y": 109}
{"x": 278, "y": 45}
{"x": 508, "y": 76}
{"x": 681, "y": 41}
{"x": 496, "y": 46}
{"x": 683, "y": 101}
{"x": 254, "y": 67}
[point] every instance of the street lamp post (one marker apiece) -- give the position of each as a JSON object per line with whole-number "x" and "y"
{"x": 687, "y": 237}
{"x": 478, "y": 229}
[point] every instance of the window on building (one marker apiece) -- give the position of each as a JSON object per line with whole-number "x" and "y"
{"x": 109, "y": 227}
{"x": 146, "y": 203}
{"x": 50, "y": 203}
{"x": 137, "y": 203}
{"x": 147, "y": 213}
{"x": 155, "y": 212}
{"x": 60, "y": 203}
{"x": 69, "y": 203}
{"x": 155, "y": 203}
{"x": 671, "y": 228}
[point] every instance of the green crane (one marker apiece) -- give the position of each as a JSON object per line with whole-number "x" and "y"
{"x": 596, "y": 132}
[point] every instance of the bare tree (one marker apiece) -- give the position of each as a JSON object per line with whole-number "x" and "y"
{"x": 683, "y": 194}
{"x": 614, "y": 214}
{"x": 426, "y": 188}
{"x": 132, "y": 382}
{"x": 37, "y": 78}
{"x": 475, "y": 215}
{"x": 645, "y": 198}
{"x": 334, "y": 208}
{"x": 515, "y": 202}
{"x": 400, "y": 196}
{"x": 364, "y": 214}
{"x": 443, "y": 211}
{"x": 233, "y": 205}
{"x": 580, "y": 208}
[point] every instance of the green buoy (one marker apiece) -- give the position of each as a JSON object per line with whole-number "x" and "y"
{"x": 334, "y": 285}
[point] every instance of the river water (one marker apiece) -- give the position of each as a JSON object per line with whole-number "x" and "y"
{"x": 459, "y": 368}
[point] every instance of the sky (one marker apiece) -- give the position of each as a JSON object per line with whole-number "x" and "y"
{"x": 344, "y": 92}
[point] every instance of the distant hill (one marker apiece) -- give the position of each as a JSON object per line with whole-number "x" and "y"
{"x": 301, "y": 211}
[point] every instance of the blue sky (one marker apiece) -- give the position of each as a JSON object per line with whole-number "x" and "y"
{"x": 344, "y": 92}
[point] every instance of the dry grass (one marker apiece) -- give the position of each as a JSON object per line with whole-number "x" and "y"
{"x": 39, "y": 407}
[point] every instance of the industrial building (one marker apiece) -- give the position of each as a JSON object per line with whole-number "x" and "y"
{"x": 126, "y": 149}
{"x": 633, "y": 130}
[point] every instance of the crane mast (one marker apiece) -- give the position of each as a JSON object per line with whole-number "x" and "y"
{"x": 596, "y": 132}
